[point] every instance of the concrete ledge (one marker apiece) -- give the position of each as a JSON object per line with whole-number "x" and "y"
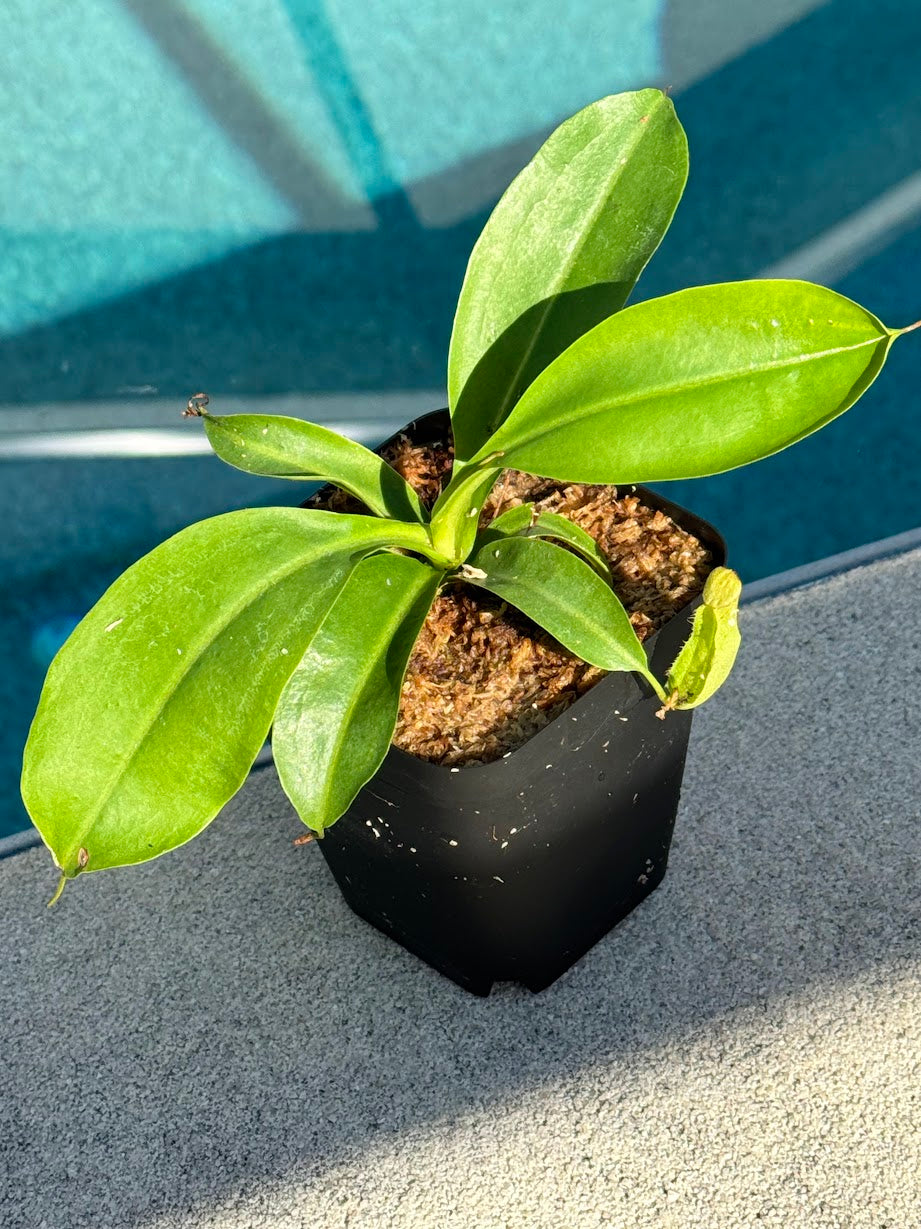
{"x": 214, "y": 1040}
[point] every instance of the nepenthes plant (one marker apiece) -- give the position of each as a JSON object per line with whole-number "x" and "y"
{"x": 301, "y": 621}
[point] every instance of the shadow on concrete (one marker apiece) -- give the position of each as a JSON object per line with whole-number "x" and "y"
{"x": 189, "y": 1032}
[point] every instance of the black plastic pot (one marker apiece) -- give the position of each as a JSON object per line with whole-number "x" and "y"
{"x": 511, "y": 871}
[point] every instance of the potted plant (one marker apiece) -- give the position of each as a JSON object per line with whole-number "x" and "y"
{"x": 303, "y": 620}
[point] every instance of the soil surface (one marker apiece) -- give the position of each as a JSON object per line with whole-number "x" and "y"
{"x": 483, "y": 678}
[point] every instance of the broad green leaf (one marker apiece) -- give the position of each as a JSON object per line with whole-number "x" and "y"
{"x": 695, "y": 383}
{"x": 155, "y": 708}
{"x": 336, "y": 716}
{"x": 280, "y": 447}
{"x": 565, "y": 597}
{"x": 707, "y": 657}
{"x": 524, "y": 519}
{"x": 561, "y": 251}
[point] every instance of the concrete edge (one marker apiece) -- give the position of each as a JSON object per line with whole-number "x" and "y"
{"x": 833, "y": 565}
{"x": 757, "y": 591}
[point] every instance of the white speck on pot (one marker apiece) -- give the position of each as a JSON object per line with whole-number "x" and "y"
{"x": 548, "y": 765}
{"x": 604, "y": 746}
{"x": 455, "y": 770}
{"x": 497, "y": 879}
{"x": 503, "y": 845}
{"x": 114, "y": 625}
{"x": 413, "y": 849}
{"x": 512, "y": 831}
{"x": 454, "y": 843}
{"x": 376, "y": 833}
{"x": 623, "y": 718}
{"x": 367, "y": 823}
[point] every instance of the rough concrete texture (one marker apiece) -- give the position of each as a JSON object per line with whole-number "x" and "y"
{"x": 214, "y": 1040}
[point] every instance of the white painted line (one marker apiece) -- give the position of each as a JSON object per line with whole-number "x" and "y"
{"x": 164, "y": 412}
{"x": 140, "y": 442}
{"x": 843, "y": 248}
{"x": 82, "y": 445}
{"x": 144, "y": 428}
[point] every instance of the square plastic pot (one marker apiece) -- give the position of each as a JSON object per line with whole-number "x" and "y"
{"x": 512, "y": 871}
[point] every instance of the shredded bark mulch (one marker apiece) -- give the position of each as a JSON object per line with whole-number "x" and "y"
{"x": 483, "y": 678}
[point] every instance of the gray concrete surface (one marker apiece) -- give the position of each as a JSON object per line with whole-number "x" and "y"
{"x": 214, "y": 1040}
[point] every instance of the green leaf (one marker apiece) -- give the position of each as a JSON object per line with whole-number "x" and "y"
{"x": 280, "y": 447}
{"x": 525, "y": 520}
{"x": 455, "y": 516}
{"x": 695, "y": 383}
{"x": 337, "y": 714}
{"x": 565, "y": 597}
{"x": 155, "y": 708}
{"x": 561, "y": 251}
{"x": 706, "y": 659}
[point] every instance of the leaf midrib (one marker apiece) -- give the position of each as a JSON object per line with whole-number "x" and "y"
{"x": 574, "y": 610}
{"x": 189, "y": 664}
{"x": 365, "y": 675}
{"x": 565, "y": 269}
{"x": 669, "y": 390}
{"x": 362, "y": 461}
